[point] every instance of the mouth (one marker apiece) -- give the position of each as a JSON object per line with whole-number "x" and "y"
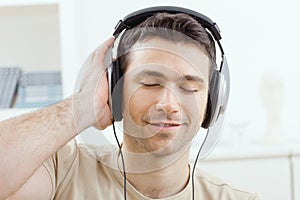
{"x": 165, "y": 126}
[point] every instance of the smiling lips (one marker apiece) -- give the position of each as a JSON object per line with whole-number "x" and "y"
{"x": 165, "y": 126}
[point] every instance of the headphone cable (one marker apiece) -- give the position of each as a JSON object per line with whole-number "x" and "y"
{"x": 122, "y": 158}
{"x": 195, "y": 162}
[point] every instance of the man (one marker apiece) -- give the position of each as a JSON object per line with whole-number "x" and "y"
{"x": 167, "y": 62}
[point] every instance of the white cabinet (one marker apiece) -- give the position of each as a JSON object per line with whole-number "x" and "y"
{"x": 260, "y": 170}
{"x": 296, "y": 171}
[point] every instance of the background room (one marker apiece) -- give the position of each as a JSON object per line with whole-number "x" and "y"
{"x": 46, "y": 42}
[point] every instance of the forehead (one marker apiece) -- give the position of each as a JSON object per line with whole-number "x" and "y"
{"x": 167, "y": 56}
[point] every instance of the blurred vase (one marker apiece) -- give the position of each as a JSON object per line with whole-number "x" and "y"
{"x": 272, "y": 97}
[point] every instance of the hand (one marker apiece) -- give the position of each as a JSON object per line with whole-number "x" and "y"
{"x": 90, "y": 101}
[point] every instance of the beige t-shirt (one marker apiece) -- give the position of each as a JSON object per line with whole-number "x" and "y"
{"x": 81, "y": 173}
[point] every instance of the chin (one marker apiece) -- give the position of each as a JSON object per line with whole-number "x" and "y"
{"x": 166, "y": 148}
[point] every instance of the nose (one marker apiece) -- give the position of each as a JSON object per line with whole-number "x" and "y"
{"x": 168, "y": 102}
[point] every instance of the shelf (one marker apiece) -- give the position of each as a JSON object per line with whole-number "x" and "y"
{"x": 8, "y": 113}
{"x": 249, "y": 152}
{"x": 27, "y": 2}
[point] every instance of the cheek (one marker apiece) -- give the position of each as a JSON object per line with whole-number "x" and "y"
{"x": 136, "y": 104}
{"x": 195, "y": 106}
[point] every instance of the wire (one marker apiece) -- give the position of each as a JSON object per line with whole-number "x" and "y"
{"x": 122, "y": 158}
{"x": 196, "y": 160}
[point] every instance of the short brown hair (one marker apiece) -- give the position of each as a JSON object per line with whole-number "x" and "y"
{"x": 159, "y": 25}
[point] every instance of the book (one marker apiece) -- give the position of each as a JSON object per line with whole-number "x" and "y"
{"x": 9, "y": 78}
{"x": 39, "y": 89}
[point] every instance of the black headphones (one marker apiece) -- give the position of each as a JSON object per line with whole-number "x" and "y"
{"x": 219, "y": 86}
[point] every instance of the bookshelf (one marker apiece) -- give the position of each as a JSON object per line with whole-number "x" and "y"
{"x": 30, "y": 42}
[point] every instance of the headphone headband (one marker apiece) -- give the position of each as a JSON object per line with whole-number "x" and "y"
{"x": 219, "y": 85}
{"x": 139, "y": 16}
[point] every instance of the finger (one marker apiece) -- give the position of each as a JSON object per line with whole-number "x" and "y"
{"x": 106, "y": 45}
{"x": 94, "y": 62}
{"x": 101, "y": 51}
{"x": 104, "y": 120}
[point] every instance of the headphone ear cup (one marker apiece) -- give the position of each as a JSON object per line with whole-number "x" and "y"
{"x": 116, "y": 90}
{"x": 212, "y": 101}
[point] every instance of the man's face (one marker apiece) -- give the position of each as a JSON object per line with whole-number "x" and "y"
{"x": 164, "y": 96}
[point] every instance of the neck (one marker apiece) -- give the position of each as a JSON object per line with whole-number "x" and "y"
{"x": 159, "y": 179}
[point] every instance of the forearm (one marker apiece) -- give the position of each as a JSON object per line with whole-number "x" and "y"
{"x": 27, "y": 141}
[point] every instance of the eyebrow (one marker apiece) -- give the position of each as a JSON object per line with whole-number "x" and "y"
{"x": 151, "y": 73}
{"x": 192, "y": 78}
{"x": 187, "y": 77}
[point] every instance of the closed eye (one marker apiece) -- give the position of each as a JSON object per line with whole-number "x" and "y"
{"x": 189, "y": 89}
{"x": 150, "y": 84}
